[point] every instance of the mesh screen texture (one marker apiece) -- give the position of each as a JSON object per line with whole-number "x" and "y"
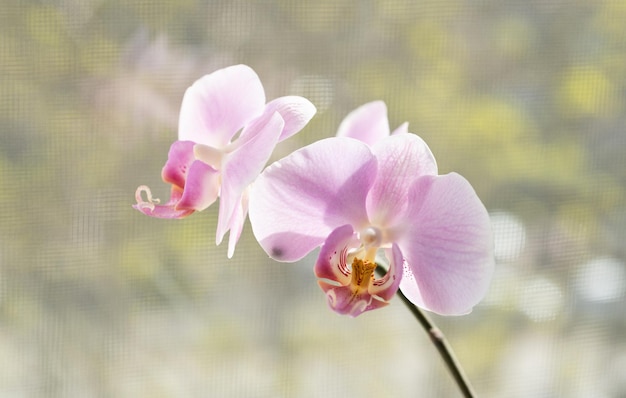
{"x": 526, "y": 99}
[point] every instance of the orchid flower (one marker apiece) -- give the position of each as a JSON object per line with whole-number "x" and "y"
{"x": 368, "y": 197}
{"x": 226, "y": 134}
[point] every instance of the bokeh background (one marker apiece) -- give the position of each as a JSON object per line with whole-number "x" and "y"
{"x": 526, "y": 99}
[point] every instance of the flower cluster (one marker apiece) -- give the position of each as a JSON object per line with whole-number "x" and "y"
{"x": 371, "y": 199}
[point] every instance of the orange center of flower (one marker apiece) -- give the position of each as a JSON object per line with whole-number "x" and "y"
{"x": 362, "y": 273}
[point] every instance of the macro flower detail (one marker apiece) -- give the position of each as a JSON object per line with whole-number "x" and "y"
{"x": 346, "y": 268}
{"x": 372, "y": 201}
{"x": 226, "y": 134}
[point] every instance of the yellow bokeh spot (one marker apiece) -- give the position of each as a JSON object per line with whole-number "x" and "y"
{"x": 139, "y": 263}
{"x": 587, "y": 91}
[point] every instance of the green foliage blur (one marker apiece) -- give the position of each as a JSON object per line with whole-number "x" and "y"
{"x": 527, "y": 100}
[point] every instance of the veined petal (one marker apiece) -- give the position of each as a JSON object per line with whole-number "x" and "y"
{"x": 179, "y": 160}
{"x": 367, "y": 123}
{"x": 448, "y": 245}
{"x": 244, "y": 164}
{"x": 151, "y": 208}
{"x": 218, "y": 105}
{"x": 295, "y": 111}
{"x": 401, "y": 159}
{"x": 201, "y": 188}
{"x": 297, "y": 201}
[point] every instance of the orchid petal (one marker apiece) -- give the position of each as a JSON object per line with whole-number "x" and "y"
{"x": 152, "y": 209}
{"x": 236, "y": 224}
{"x": 401, "y": 129}
{"x": 367, "y": 123}
{"x": 401, "y": 159}
{"x": 295, "y": 111}
{"x": 179, "y": 160}
{"x": 447, "y": 244}
{"x": 296, "y": 202}
{"x": 244, "y": 164}
{"x": 218, "y": 105}
{"x": 201, "y": 187}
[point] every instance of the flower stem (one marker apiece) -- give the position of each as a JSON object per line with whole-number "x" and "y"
{"x": 440, "y": 342}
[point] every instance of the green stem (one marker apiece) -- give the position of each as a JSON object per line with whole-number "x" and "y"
{"x": 439, "y": 340}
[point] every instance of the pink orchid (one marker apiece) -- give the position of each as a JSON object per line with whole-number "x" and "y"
{"x": 376, "y": 195}
{"x": 210, "y": 161}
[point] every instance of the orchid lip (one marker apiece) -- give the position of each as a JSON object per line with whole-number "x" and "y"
{"x": 347, "y": 270}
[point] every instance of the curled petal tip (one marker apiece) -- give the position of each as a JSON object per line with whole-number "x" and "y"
{"x": 149, "y": 202}
{"x": 151, "y": 207}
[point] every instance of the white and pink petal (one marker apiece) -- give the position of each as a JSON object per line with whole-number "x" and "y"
{"x": 401, "y": 129}
{"x": 401, "y": 159}
{"x": 220, "y": 104}
{"x": 244, "y": 164}
{"x": 367, "y": 123}
{"x": 296, "y": 112}
{"x": 447, "y": 244}
{"x": 296, "y": 202}
{"x": 236, "y": 224}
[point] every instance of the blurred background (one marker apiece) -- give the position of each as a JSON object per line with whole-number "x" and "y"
{"x": 526, "y": 99}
